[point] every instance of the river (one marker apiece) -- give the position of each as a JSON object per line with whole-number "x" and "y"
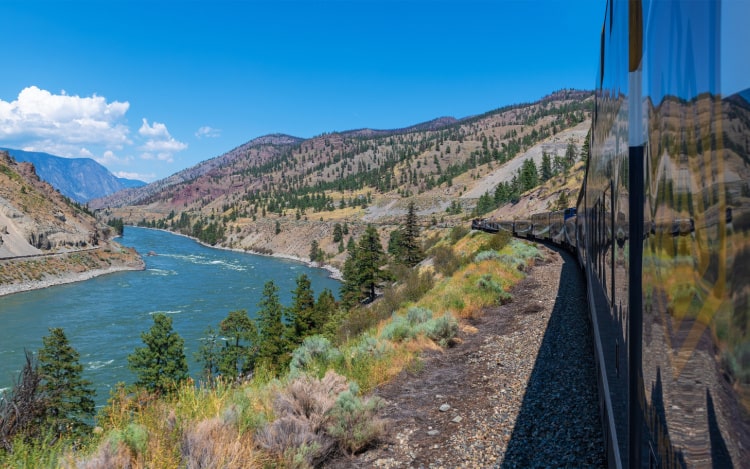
{"x": 104, "y": 317}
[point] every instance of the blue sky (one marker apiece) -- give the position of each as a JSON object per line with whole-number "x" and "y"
{"x": 148, "y": 88}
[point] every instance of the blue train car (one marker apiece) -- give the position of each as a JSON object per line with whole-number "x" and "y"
{"x": 663, "y": 230}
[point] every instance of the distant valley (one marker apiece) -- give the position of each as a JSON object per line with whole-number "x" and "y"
{"x": 80, "y": 179}
{"x": 278, "y": 193}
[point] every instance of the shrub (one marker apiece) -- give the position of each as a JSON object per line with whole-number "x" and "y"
{"x": 315, "y": 352}
{"x": 458, "y": 232}
{"x": 398, "y": 330}
{"x": 317, "y": 417}
{"x": 134, "y": 437}
{"x": 354, "y": 422}
{"x": 445, "y": 260}
{"x": 442, "y": 330}
{"x": 370, "y": 347}
{"x": 298, "y": 435}
{"x": 417, "y": 315}
{"x": 497, "y": 241}
{"x": 215, "y": 443}
{"x": 486, "y": 255}
{"x": 487, "y": 283}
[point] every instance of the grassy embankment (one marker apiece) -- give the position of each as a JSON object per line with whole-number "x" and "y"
{"x": 319, "y": 408}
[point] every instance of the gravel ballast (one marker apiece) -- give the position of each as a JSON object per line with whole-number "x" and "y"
{"x": 519, "y": 390}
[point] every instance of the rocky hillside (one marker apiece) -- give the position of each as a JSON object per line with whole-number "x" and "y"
{"x": 278, "y": 193}
{"x": 46, "y": 239}
{"x": 80, "y": 179}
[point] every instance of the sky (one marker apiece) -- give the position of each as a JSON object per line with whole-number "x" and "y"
{"x": 148, "y": 88}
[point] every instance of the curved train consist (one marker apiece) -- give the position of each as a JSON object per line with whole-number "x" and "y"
{"x": 662, "y": 230}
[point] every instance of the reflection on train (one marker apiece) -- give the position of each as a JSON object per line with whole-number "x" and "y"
{"x": 662, "y": 230}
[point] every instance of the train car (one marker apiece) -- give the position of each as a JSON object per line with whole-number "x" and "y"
{"x": 668, "y": 282}
{"x": 506, "y": 225}
{"x": 540, "y": 226}
{"x": 522, "y": 228}
{"x": 557, "y": 227}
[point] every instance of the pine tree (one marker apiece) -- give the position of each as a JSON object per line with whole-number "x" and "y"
{"x": 69, "y": 398}
{"x": 161, "y": 364}
{"x": 349, "y": 290}
{"x": 209, "y": 354}
{"x": 586, "y": 150}
{"x": 325, "y": 307}
{"x": 546, "y": 169}
{"x": 271, "y": 343}
{"x": 412, "y": 250}
{"x": 238, "y": 356}
{"x": 300, "y": 316}
{"x": 338, "y": 233}
{"x": 370, "y": 259}
{"x": 570, "y": 154}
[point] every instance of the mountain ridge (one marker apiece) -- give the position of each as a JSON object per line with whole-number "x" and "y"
{"x": 80, "y": 179}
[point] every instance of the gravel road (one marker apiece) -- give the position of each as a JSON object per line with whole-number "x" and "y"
{"x": 518, "y": 391}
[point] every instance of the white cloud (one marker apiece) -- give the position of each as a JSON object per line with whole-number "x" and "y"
{"x": 208, "y": 132}
{"x": 159, "y": 142}
{"x": 156, "y": 130}
{"x": 138, "y": 176}
{"x": 62, "y": 123}
{"x": 109, "y": 157}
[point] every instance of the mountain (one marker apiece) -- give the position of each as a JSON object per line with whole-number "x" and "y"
{"x": 80, "y": 179}
{"x": 277, "y": 193}
{"x": 36, "y": 219}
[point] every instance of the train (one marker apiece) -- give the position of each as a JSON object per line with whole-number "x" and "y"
{"x": 661, "y": 228}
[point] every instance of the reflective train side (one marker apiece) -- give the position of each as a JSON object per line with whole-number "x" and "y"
{"x": 662, "y": 231}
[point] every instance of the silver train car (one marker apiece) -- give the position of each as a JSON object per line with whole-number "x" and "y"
{"x": 662, "y": 231}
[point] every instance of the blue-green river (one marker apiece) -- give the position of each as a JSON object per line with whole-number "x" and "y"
{"x": 104, "y": 317}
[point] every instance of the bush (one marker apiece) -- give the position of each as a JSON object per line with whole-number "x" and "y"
{"x": 398, "y": 330}
{"x": 442, "y": 330}
{"x": 298, "y": 435}
{"x": 458, "y": 232}
{"x": 417, "y": 315}
{"x": 486, "y": 255}
{"x": 134, "y": 437}
{"x": 370, "y": 347}
{"x": 445, "y": 260}
{"x": 214, "y": 443}
{"x": 354, "y": 421}
{"x": 315, "y": 418}
{"x": 487, "y": 283}
{"x": 497, "y": 241}
{"x": 315, "y": 354}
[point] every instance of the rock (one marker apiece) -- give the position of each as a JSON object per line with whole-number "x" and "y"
{"x": 457, "y": 419}
{"x": 433, "y": 433}
{"x": 445, "y": 408}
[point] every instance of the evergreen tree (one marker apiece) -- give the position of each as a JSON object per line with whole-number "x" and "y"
{"x": 370, "y": 259}
{"x": 69, "y": 398}
{"x": 345, "y": 229}
{"x": 571, "y": 154}
{"x": 271, "y": 343}
{"x": 325, "y": 307}
{"x": 209, "y": 354}
{"x": 586, "y": 150}
{"x": 396, "y": 244}
{"x": 301, "y": 315}
{"x": 546, "y": 169}
{"x": 349, "y": 290}
{"x": 412, "y": 249}
{"x": 238, "y": 356}
{"x": 338, "y": 233}
{"x": 161, "y": 364}
{"x": 529, "y": 175}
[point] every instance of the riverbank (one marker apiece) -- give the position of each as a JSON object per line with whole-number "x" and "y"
{"x": 21, "y": 275}
{"x": 334, "y": 272}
